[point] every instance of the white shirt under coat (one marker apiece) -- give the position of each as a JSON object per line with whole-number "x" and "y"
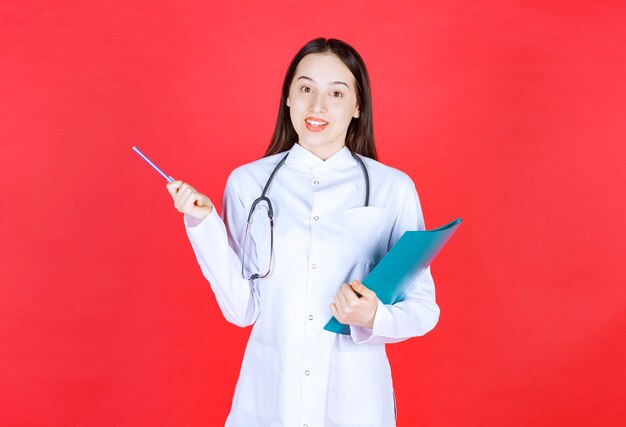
{"x": 295, "y": 373}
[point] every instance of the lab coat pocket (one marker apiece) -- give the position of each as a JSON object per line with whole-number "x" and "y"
{"x": 257, "y": 391}
{"x": 355, "y": 395}
{"x": 363, "y": 229}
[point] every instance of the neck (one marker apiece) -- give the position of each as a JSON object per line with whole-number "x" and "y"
{"x": 324, "y": 151}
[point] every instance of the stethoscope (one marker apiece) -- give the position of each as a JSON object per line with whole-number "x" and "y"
{"x": 270, "y": 214}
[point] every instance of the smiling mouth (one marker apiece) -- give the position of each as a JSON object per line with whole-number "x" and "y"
{"x": 315, "y": 124}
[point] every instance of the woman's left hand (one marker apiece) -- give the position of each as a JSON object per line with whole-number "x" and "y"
{"x": 349, "y": 309}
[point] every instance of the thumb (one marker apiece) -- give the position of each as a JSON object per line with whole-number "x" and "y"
{"x": 361, "y": 289}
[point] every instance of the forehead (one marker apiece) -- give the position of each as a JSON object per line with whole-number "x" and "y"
{"x": 324, "y": 68}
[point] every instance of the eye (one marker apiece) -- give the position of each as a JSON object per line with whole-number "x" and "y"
{"x": 336, "y": 94}
{"x": 306, "y": 89}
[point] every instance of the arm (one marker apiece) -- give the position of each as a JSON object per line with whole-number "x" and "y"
{"x": 217, "y": 246}
{"x": 418, "y": 313}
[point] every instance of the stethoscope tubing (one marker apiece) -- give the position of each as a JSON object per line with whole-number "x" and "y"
{"x": 270, "y": 211}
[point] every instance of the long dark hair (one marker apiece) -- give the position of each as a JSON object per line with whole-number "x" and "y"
{"x": 360, "y": 134}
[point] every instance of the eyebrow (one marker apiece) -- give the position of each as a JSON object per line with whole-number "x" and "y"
{"x": 332, "y": 83}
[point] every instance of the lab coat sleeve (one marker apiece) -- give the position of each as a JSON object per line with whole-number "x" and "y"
{"x": 418, "y": 313}
{"x": 217, "y": 243}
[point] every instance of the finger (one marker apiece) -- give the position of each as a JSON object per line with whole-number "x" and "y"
{"x": 346, "y": 310}
{"x": 359, "y": 287}
{"x": 172, "y": 187}
{"x": 352, "y": 298}
{"x": 174, "y": 184}
{"x": 343, "y": 300}
{"x": 183, "y": 187}
{"x": 187, "y": 187}
{"x": 333, "y": 310}
{"x": 183, "y": 196}
{"x": 178, "y": 197}
{"x": 188, "y": 201}
{"x": 338, "y": 306}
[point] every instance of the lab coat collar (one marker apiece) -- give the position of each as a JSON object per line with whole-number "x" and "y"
{"x": 301, "y": 158}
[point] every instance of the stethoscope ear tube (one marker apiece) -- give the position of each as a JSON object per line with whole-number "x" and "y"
{"x": 366, "y": 175}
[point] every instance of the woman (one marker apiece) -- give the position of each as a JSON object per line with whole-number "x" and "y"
{"x": 336, "y": 212}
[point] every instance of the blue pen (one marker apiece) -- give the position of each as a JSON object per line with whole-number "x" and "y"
{"x": 151, "y": 163}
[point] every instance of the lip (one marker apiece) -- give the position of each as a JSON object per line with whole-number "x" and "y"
{"x": 315, "y": 128}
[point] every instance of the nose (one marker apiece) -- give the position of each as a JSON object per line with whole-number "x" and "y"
{"x": 318, "y": 104}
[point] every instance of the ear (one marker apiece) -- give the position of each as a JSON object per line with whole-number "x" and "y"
{"x": 288, "y": 102}
{"x": 357, "y": 113}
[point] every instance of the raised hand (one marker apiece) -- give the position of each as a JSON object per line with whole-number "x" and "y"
{"x": 188, "y": 201}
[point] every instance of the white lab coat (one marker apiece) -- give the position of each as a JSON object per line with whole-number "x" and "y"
{"x": 295, "y": 373}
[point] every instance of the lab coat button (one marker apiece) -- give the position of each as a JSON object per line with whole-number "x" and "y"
{"x": 310, "y": 317}
{"x": 307, "y": 372}
{"x": 314, "y": 266}
{"x": 316, "y": 182}
{"x": 305, "y": 425}
{"x": 316, "y": 218}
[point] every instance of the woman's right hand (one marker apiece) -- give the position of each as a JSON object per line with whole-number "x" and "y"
{"x": 188, "y": 201}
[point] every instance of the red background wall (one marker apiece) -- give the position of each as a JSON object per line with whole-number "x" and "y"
{"x": 509, "y": 114}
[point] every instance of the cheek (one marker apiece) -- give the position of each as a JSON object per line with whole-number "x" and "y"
{"x": 346, "y": 116}
{"x": 297, "y": 110}
{"x": 296, "y": 102}
{"x": 296, "y": 120}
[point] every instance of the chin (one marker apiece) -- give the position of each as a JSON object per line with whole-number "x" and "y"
{"x": 316, "y": 144}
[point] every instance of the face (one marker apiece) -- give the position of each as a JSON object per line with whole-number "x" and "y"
{"x": 322, "y": 101}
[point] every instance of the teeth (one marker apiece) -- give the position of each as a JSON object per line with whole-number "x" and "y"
{"x": 316, "y": 123}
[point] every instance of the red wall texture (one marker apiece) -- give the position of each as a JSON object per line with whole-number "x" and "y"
{"x": 509, "y": 114}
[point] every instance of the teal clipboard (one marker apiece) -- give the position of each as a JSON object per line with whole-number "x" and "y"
{"x": 398, "y": 269}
